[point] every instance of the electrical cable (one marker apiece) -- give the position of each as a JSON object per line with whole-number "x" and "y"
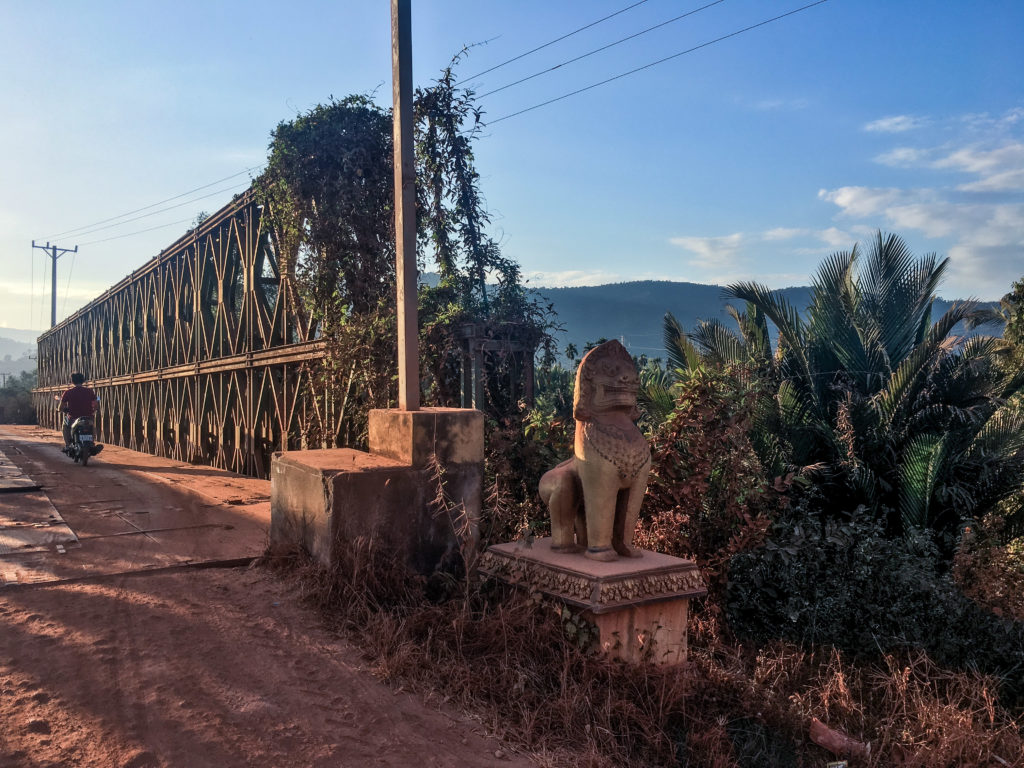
{"x": 602, "y": 48}
{"x": 67, "y": 285}
{"x": 159, "y": 211}
{"x": 139, "y": 232}
{"x": 654, "y": 63}
{"x": 32, "y": 291}
{"x": 154, "y": 205}
{"x": 556, "y": 40}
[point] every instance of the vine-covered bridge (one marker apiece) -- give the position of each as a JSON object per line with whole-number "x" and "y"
{"x": 201, "y": 355}
{"x": 207, "y": 355}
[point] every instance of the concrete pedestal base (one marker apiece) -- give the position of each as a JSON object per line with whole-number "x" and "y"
{"x": 323, "y": 499}
{"x": 640, "y": 605}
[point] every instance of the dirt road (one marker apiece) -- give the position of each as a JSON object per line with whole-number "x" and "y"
{"x": 187, "y": 668}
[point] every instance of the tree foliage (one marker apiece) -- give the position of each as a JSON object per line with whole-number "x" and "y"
{"x": 1012, "y": 306}
{"x": 883, "y": 405}
{"x": 707, "y": 495}
{"x": 477, "y": 285}
{"x": 16, "y": 399}
{"x": 328, "y": 189}
{"x": 329, "y": 184}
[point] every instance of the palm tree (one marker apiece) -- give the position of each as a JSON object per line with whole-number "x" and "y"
{"x": 895, "y": 411}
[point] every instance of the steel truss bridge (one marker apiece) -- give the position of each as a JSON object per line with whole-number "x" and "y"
{"x": 203, "y": 355}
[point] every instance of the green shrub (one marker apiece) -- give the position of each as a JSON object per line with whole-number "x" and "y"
{"x": 841, "y": 581}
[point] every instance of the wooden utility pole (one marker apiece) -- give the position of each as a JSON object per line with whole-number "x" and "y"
{"x": 52, "y": 252}
{"x": 405, "y": 207}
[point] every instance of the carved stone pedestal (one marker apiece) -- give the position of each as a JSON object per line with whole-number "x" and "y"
{"x": 640, "y": 605}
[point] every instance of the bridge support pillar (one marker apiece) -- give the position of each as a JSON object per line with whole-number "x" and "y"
{"x": 417, "y": 493}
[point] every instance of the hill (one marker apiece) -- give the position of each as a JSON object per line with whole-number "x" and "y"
{"x": 633, "y": 312}
{"x": 17, "y": 350}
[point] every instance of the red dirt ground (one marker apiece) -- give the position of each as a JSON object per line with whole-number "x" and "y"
{"x": 187, "y": 668}
{"x": 217, "y": 667}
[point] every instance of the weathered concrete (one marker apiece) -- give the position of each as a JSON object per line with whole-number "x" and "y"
{"x": 323, "y": 499}
{"x": 453, "y": 435}
{"x": 127, "y": 512}
{"x": 640, "y": 605}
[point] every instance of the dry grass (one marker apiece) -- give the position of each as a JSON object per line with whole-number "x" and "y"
{"x": 993, "y": 575}
{"x": 504, "y": 656}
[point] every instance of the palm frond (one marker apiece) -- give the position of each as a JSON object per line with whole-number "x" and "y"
{"x": 920, "y": 468}
{"x": 682, "y": 355}
{"x": 754, "y": 329}
{"x": 655, "y": 396}
{"x": 718, "y": 345}
{"x": 911, "y": 375}
{"x": 787, "y": 321}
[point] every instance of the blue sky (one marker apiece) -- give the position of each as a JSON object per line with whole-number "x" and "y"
{"x": 752, "y": 158}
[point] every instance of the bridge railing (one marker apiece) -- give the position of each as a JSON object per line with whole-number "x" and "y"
{"x": 203, "y": 355}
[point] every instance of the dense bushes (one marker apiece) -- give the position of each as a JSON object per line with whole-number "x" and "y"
{"x": 841, "y": 581}
{"x": 16, "y": 399}
{"x": 893, "y": 410}
{"x": 707, "y": 495}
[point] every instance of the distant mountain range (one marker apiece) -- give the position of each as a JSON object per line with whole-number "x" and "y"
{"x": 17, "y": 350}
{"x": 633, "y": 312}
{"x": 21, "y": 335}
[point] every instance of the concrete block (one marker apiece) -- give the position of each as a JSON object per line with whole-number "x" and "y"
{"x": 324, "y": 499}
{"x": 454, "y": 435}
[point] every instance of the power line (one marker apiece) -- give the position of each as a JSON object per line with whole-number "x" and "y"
{"x": 139, "y": 232}
{"x": 159, "y": 211}
{"x": 556, "y": 40}
{"x": 67, "y": 286}
{"x": 602, "y": 48}
{"x": 655, "y": 63}
{"x": 32, "y": 291}
{"x": 154, "y": 205}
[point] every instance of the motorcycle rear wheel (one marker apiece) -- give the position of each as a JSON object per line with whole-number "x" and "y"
{"x": 85, "y": 456}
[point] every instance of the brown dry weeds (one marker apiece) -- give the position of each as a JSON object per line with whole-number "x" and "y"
{"x": 504, "y": 656}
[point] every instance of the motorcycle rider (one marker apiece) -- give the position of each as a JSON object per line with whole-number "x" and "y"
{"x": 77, "y": 402}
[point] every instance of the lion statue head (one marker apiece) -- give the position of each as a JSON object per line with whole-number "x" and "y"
{"x": 606, "y": 380}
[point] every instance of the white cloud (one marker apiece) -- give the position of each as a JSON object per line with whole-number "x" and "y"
{"x": 983, "y": 121}
{"x": 741, "y": 255}
{"x": 977, "y": 214}
{"x": 978, "y": 211}
{"x": 836, "y": 238}
{"x": 712, "y": 252}
{"x": 895, "y": 124}
{"x": 999, "y": 169}
{"x": 902, "y": 157}
{"x": 860, "y": 202}
{"x": 573, "y": 278}
{"x": 775, "y": 105}
{"x": 988, "y": 238}
{"x": 784, "y": 233}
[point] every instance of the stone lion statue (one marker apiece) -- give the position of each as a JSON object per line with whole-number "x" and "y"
{"x": 594, "y": 497}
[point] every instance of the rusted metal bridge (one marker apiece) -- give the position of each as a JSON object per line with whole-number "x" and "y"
{"x": 203, "y": 355}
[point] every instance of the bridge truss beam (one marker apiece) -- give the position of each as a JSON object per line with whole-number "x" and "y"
{"x": 205, "y": 354}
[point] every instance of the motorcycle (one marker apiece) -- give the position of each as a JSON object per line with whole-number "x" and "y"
{"x": 83, "y": 445}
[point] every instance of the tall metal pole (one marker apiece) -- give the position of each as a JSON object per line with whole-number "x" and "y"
{"x": 53, "y": 286}
{"x": 54, "y": 253}
{"x": 405, "y": 207}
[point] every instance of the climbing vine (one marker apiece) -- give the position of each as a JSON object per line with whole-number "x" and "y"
{"x": 328, "y": 189}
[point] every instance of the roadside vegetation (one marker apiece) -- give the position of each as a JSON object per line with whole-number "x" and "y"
{"x": 850, "y": 477}
{"x": 16, "y": 399}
